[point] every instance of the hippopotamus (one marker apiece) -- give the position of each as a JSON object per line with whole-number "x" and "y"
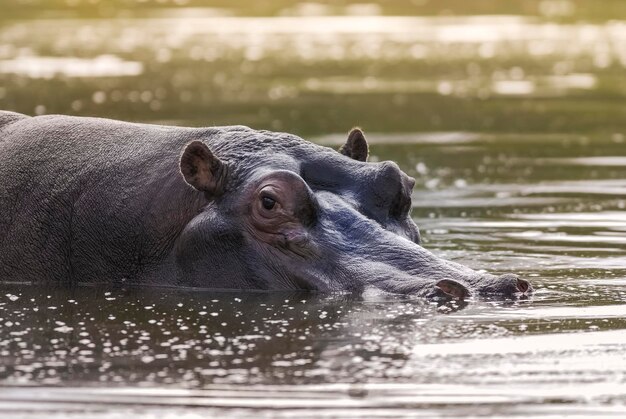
{"x": 91, "y": 201}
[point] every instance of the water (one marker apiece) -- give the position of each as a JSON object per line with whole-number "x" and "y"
{"x": 514, "y": 126}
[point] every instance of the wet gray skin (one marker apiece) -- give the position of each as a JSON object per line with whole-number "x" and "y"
{"x": 88, "y": 200}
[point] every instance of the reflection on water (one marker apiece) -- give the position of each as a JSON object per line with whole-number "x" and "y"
{"x": 51, "y": 67}
{"x": 471, "y": 73}
{"x": 513, "y": 126}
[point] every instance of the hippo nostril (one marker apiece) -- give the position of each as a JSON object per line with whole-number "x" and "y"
{"x": 453, "y": 289}
{"x": 509, "y": 284}
{"x": 522, "y": 285}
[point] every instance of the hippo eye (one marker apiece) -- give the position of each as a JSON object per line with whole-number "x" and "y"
{"x": 268, "y": 203}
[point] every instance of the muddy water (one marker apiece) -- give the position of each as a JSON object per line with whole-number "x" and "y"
{"x": 514, "y": 128}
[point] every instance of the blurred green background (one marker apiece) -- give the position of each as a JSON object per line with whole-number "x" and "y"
{"x": 313, "y": 68}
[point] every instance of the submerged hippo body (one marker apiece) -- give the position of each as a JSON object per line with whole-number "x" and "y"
{"x": 86, "y": 200}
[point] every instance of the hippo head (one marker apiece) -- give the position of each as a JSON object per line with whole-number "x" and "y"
{"x": 288, "y": 214}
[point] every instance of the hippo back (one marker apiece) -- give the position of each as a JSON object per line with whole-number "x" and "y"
{"x": 88, "y": 197}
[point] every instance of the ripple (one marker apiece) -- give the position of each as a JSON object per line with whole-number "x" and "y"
{"x": 331, "y": 400}
{"x": 530, "y": 343}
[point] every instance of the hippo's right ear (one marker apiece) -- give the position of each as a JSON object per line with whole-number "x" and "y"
{"x": 356, "y": 146}
{"x": 202, "y": 169}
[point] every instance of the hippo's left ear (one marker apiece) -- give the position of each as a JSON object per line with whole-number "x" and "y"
{"x": 356, "y": 146}
{"x": 202, "y": 169}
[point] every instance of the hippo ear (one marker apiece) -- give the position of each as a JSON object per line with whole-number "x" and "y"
{"x": 356, "y": 146}
{"x": 202, "y": 169}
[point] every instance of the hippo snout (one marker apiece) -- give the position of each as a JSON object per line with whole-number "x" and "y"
{"x": 503, "y": 285}
{"x": 508, "y": 285}
{"x": 512, "y": 284}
